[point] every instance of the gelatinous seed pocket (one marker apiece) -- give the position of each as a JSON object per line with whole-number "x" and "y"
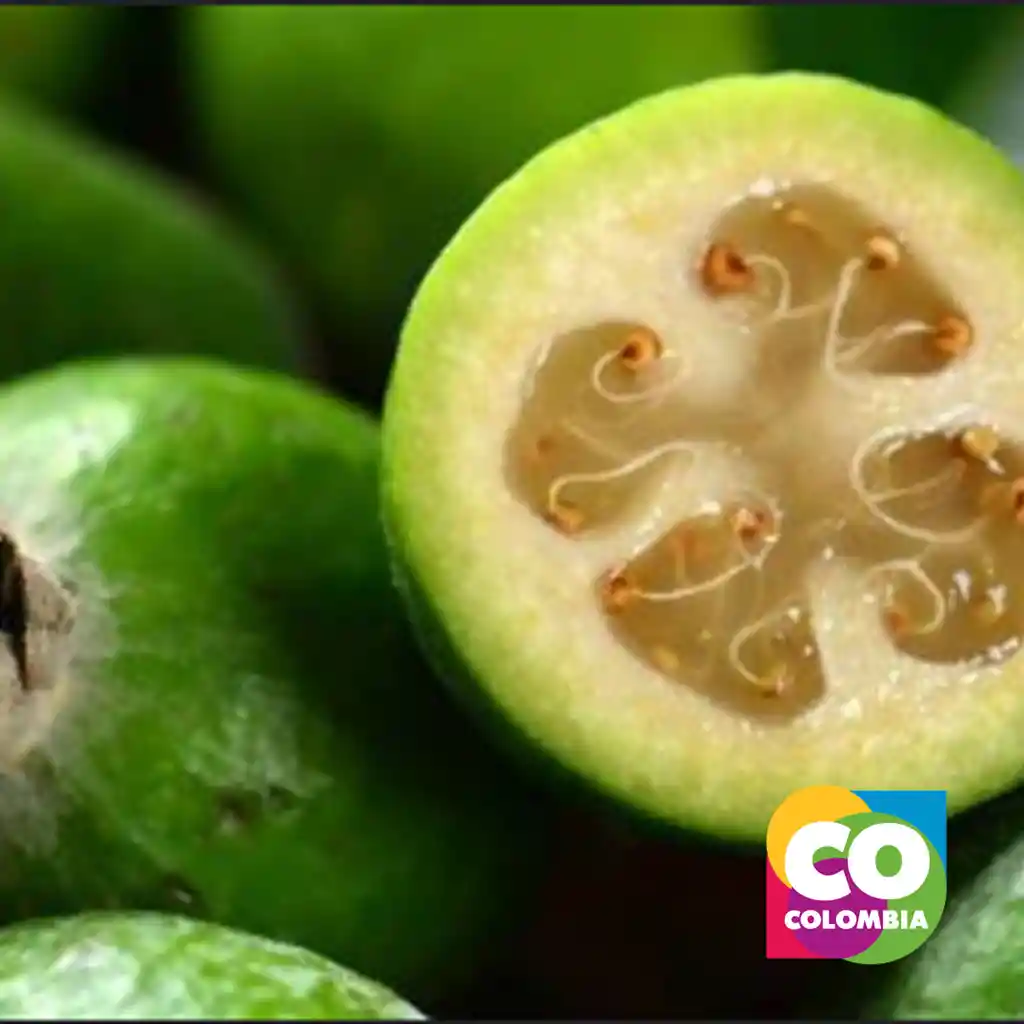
{"x": 949, "y": 504}
{"x": 953, "y": 606}
{"x": 831, "y": 302}
{"x": 928, "y": 487}
{"x": 703, "y": 606}
{"x": 595, "y": 428}
{"x": 824, "y": 286}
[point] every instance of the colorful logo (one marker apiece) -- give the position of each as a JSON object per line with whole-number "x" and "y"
{"x": 855, "y": 874}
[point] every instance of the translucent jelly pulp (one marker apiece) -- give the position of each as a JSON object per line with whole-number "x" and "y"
{"x": 827, "y": 301}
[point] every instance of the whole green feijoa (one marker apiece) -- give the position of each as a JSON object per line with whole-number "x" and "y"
{"x": 703, "y": 454}
{"x": 54, "y": 54}
{"x": 357, "y": 138}
{"x": 100, "y": 256}
{"x": 210, "y": 701}
{"x": 139, "y": 966}
{"x": 973, "y": 967}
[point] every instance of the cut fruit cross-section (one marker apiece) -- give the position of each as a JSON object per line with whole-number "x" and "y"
{"x": 705, "y": 462}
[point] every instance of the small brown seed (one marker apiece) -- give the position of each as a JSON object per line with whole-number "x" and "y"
{"x": 884, "y": 252}
{"x": 641, "y": 348}
{"x": 724, "y": 271}
{"x": 617, "y": 591}
{"x": 897, "y": 620}
{"x": 952, "y": 336}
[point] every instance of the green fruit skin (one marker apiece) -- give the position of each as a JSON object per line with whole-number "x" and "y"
{"x": 102, "y": 257}
{"x": 53, "y": 55}
{"x": 361, "y": 173}
{"x": 261, "y": 744}
{"x": 139, "y": 966}
{"x": 973, "y": 967}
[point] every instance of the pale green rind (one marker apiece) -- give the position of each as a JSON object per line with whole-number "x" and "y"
{"x": 144, "y": 966}
{"x": 419, "y": 517}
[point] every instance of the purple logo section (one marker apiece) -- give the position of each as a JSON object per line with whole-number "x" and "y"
{"x": 837, "y": 942}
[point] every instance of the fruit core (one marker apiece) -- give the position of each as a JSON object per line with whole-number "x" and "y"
{"x": 36, "y": 618}
{"x": 829, "y": 302}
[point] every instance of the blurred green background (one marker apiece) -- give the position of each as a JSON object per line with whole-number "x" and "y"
{"x": 351, "y": 142}
{"x": 342, "y": 147}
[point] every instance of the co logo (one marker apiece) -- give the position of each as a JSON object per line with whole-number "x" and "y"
{"x": 861, "y": 860}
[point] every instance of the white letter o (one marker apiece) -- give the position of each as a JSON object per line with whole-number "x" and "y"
{"x": 862, "y": 861}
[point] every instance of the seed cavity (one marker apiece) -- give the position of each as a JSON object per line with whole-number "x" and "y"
{"x": 826, "y": 300}
{"x": 591, "y": 442}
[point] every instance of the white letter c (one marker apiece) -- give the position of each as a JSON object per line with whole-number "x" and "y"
{"x": 801, "y": 870}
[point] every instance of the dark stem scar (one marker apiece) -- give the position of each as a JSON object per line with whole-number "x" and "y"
{"x": 14, "y": 608}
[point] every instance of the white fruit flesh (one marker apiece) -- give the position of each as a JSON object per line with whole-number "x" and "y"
{"x": 556, "y": 573}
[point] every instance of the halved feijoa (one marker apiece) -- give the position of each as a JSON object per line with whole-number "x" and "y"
{"x": 705, "y": 452}
{"x": 139, "y": 966}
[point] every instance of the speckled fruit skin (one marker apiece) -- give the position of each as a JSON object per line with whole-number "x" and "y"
{"x": 99, "y": 256}
{"x": 53, "y": 54}
{"x": 257, "y": 742}
{"x": 157, "y": 966}
{"x": 973, "y": 967}
{"x": 361, "y": 174}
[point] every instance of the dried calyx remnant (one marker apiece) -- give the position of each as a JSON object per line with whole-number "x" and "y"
{"x": 37, "y": 615}
{"x": 825, "y": 298}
